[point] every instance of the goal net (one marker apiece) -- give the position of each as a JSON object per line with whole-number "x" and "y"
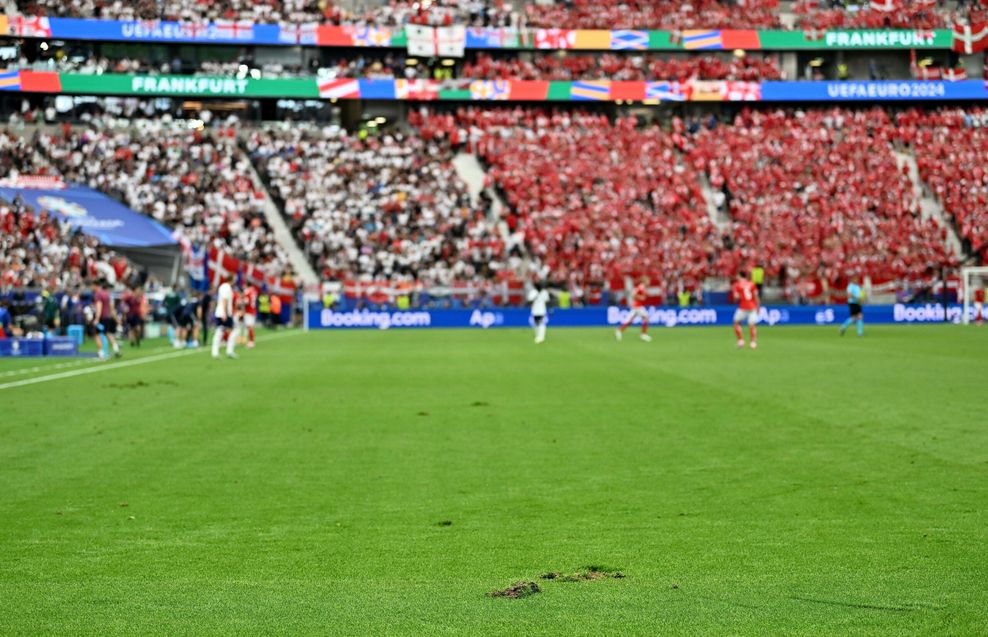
{"x": 972, "y": 280}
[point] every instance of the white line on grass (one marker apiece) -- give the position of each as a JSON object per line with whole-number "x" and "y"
{"x": 43, "y": 368}
{"x": 130, "y": 363}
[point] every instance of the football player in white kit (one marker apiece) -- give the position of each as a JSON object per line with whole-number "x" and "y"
{"x": 224, "y": 320}
{"x": 539, "y": 298}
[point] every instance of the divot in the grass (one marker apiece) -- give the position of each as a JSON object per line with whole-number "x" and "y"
{"x": 517, "y": 590}
{"x": 586, "y": 574}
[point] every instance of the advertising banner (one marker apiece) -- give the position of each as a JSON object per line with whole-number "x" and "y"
{"x": 92, "y": 212}
{"x": 319, "y": 318}
{"x": 242, "y": 32}
{"x": 485, "y": 90}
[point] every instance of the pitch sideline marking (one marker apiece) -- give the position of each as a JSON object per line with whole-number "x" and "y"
{"x": 42, "y": 368}
{"x": 121, "y": 364}
{"x": 87, "y": 361}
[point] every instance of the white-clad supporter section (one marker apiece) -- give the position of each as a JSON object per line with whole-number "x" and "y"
{"x": 97, "y": 368}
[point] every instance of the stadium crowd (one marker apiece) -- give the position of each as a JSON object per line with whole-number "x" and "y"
{"x": 653, "y": 14}
{"x": 807, "y": 194}
{"x": 540, "y": 66}
{"x": 194, "y": 181}
{"x": 817, "y": 193}
{"x": 388, "y": 207}
{"x": 39, "y": 251}
{"x": 388, "y": 66}
{"x": 546, "y": 66}
{"x": 563, "y": 14}
{"x": 591, "y": 199}
{"x": 951, "y": 149}
{"x": 395, "y": 12}
{"x": 928, "y": 14}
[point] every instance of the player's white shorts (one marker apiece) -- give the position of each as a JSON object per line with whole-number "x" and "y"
{"x": 250, "y": 320}
{"x": 746, "y": 316}
{"x": 637, "y": 312}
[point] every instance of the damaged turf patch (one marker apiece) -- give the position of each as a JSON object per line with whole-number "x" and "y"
{"x": 586, "y": 574}
{"x": 517, "y": 590}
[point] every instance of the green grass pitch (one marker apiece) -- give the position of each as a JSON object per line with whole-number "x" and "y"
{"x": 367, "y": 483}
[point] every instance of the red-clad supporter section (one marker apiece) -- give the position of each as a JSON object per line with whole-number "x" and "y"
{"x": 594, "y": 200}
{"x": 886, "y": 14}
{"x": 560, "y": 14}
{"x": 818, "y": 193}
{"x": 636, "y": 67}
{"x": 654, "y": 14}
{"x": 951, "y": 147}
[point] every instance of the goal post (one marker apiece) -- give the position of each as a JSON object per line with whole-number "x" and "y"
{"x": 972, "y": 278}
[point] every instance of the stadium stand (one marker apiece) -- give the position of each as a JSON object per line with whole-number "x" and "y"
{"x": 625, "y": 67}
{"x": 571, "y": 14}
{"x": 381, "y": 208}
{"x": 951, "y": 148}
{"x": 396, "y": 12}
{"x": 818, "y": 193}
{"x": 194, "y": 181}
{"x": 39, "y": 251}
{"x": 654, "y": 14}
{"x": 593, "y": 201}
{"x": 387, "y": 66}
{"x": 929, "y": 14}
{"x": 541, "y": 66}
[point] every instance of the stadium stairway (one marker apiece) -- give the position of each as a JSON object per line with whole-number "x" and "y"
{"x": 301, "y": 266}
{"x": 472, "y": 173}
{"x": 928, "y": 204}
{"x": 717, "y": 217}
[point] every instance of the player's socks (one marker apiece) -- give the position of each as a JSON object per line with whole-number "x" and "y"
{"x": 846, "y": 324}
{"x": 618, "y": 334}
{"x": 231, "y": 342}
{"x": 103, "y": 346}
{"x": 752, "y": 334}
{"x": 250, "y": 334}
{"x": 860, "y": 327}
{"x": 217, "y": 339}
{"x": 539, "y": 333}
{"x": 738, "y": 333}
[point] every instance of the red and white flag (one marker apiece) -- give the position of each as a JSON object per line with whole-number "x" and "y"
{"x": 888, "y": 6}
{"x": 234, "y": 29}
{"x": 955, "y": 75}
{"x": 416, "y": 90}
{"x": 339, "y": 89}
{"x": 30, "y": 27}
{"x": 555, "y": 39}
{"x": 970, "y": 38}
{"x": 305, "y": 33}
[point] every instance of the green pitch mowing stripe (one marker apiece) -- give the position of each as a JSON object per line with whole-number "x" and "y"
{"x": 384, "y": 482}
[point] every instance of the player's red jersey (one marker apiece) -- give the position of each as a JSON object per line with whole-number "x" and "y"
{"x": 979, "y": 295}
{"x": 638, "y": 295}
{"x": 746, "y": 294}
{"x": 250, "y": 299}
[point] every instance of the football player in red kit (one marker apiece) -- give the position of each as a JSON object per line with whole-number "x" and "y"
{"x": 638, "y": 296}
{"x": 746, "y": 294}
{"x": 250, "y": 312}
